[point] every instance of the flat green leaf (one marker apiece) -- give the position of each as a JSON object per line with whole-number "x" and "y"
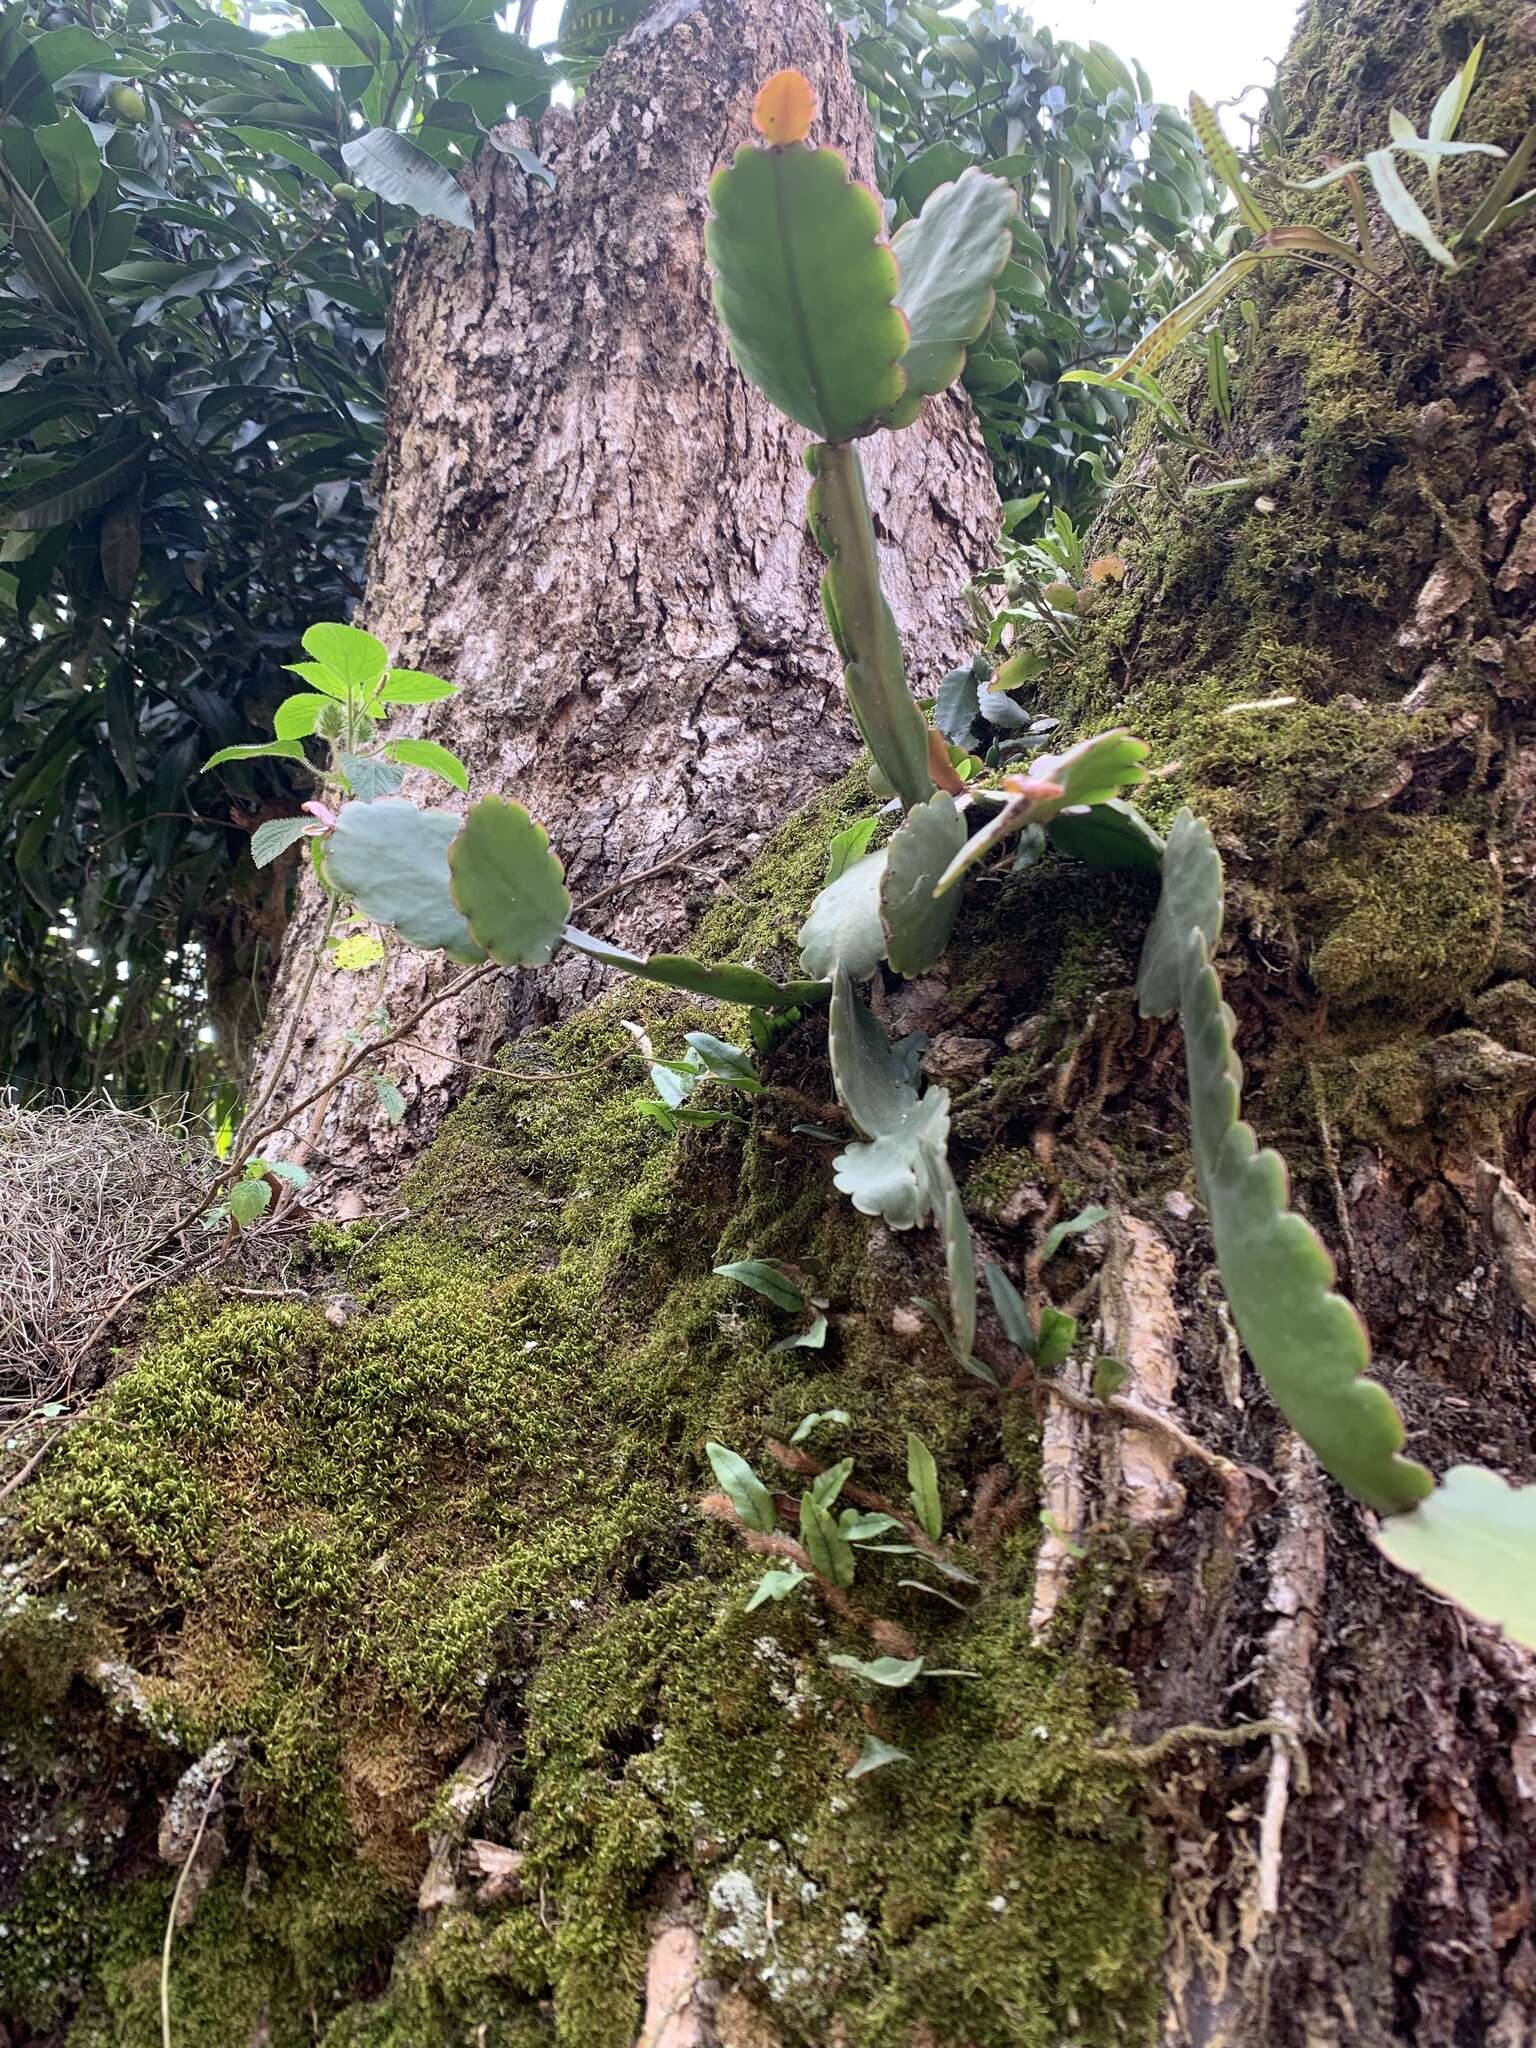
{"x": 917, "y": 924}
{"x": 1057, "y": 1335}
{"x": 77, "y": 488}
{"x": 923, "y": 1479}
{"x": 805, "y": 284}
{"x": 1190, "y": 900}
{"x": 812, "y": 1339}
{"x": 777, "y": 1584}
{"x": 1402, "y": 209}
{"x": 275, "y": 837}
{"x": 355, "y": 658}
{"x": 297, "y": 716}
{"x": 329, "y": 46}
{"x": 874, "y": 1756}
{"x": 825, "y": 1544}
{"x": 1090, "y": 773}
{"x": 891, "y": 1672}
{"x": 249, "y": 1199}
{"x": 1073, "y": 1226}
{"x": 730, "y": 983}
{"x": 1012, "y": 1312}
{"x": 827, "y": 1485}
{"x": 392, "y": 860}
{"x": 724, "y": 1062}
{"x": 281, "y": 750}
{"x": 948, "y": 260}
{"x": 861, "y": 1527}
{"x": 415, "y": 686}
{"x": 1308, "y": 1344}
{"x": 272, "y": 142}
{"x": 1452, "y": 103}
{"x": 808, "y": 1424}
{"x": 1109, "y": 835}
{"x": 959, "y": 1254}
{"x": 764, "y": 1279}
{"x": 386, "y": 163}
{"x": 844, "y": 928}
{"x": 847, "y": 846}
{"x": 435, "y": 759}
{"x": 509, "y": 884}
{"x": 1474, "y": 1540}
{"x": 319, "y": 677}
{"x": 742, "y": 1487}
{"x": 73, "y": 159}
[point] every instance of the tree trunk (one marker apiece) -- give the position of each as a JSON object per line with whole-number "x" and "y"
{"x": 592, "y": 524}
{"x": 423, "y": 1538}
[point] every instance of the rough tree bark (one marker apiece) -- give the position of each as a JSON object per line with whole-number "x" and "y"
{"x": 594, "y": 526}
{"x": 413, "y": 1556}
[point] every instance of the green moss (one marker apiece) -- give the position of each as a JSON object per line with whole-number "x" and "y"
{"x": 470, "y": 1502}
{"x": 1412, "y": 916}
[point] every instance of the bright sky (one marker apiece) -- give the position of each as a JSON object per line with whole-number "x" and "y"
{"x": 1212, "y": 47}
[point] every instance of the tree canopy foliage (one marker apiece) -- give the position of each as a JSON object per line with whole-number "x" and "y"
{"x": 200, "y": 223}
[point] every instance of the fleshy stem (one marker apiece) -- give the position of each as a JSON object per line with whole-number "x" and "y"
{"x": 862, "y": 625}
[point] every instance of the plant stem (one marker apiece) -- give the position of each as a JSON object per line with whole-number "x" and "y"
{"x": 887, "y": 716}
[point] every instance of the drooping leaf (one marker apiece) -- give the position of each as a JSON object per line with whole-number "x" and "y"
{"x": 730, "y": 983}
{"x": 889, "y": 1175}
{"x": 1307, "y": 1342}
{"x": 916, "y": 924}
{"x": 874, "y": 1756}
{"x": 1109, "y": 835}
{"x": 1474, "y": 1540}
{"x": 1222, "y": 158}
{"x": 949, "y": 259}
{"x": 959, "y": 1255}
{"x": 1190, "y": 900}
{"x": 388, "y": 163}
{"x": 1071, "y": 1226}
{"x": 392, "y": 860}
{"x": 280, "y": 750}
{"x": 1012, "y": 1312}
{"x": 74, "y": 161}
{"x": 1402, "y": 209}
{"x": 742, "y": 1487}
{"x": 814, "y": 1338}
{"x": 805, "y": 284}
{"x": 844, "y": 928}
{"x": 509, "y": 884}
{"x": 275, "y": 836}
{"x": 437, "y": 760}
{"x": 765, "y": 1279}
{"x": 891, "y": 1672}
{"x": 77, "y": 488}
{"x": 1175, "y": 328}
{"x": 923, "y": 1480}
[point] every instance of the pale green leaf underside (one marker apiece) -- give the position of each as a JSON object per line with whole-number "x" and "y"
{"x": 509, "y": 885}
{"x": 805, "y": 286}
{"x": 392, "y": 860}
{"x": 890, "y": 1175}
{"x": 1308, "y": 1344}
{"x": 949, "y": 259}
{"x": 1474, "y": 1540}
{"x": 916, "y": 924}
{"x": 843, "y": 928}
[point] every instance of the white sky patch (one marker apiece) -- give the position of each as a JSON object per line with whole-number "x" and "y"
{"x": 1213, "y": 47}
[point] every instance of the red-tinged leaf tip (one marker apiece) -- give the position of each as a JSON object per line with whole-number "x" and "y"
{"x": 785, "y": 108}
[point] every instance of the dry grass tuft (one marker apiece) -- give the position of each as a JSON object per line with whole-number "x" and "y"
{"x": 87, "y": 1191}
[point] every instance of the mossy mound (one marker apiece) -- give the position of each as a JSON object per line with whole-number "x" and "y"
{"x": 453, "y": 1495}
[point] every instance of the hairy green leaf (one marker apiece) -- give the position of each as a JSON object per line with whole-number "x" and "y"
{"x": 437, "y": 760}
{"x": 297, "y": 716}
{"x": 275, "y": 836}
{"x": 415, "y": 686}
{"x": 354, "y": 658}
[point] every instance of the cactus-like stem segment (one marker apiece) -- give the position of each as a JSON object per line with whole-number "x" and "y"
{"x": 893, "y": 728}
